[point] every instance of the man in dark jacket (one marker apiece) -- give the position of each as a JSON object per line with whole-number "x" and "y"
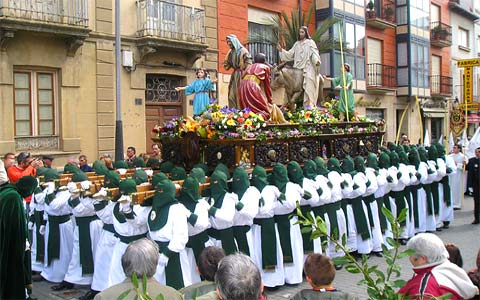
{"x": 473, "y": 169}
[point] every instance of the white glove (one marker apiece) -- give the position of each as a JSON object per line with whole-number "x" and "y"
{"x": 162, "y": 259}
{"x": 42, "y": 230}
{"x": 102, "y": 193}
{"x": 149, "y": 172}
{"x": 122, "y": 171}
{"x": 50, "y": 187}
{"x": 30, "y": 225}
{"x": 85, "y": 185}
{"x": 27, "y": 245}
{"x": 125, "y": 203}
{"x": 71, "y": 186}
{"x": 470, "y": 189}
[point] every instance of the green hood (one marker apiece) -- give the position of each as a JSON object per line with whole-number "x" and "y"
{"x": 240, "y": 182}
{"x": 403, "y": 156}
{"x": 156, "y": 178}
{"x": 414, "y": 158}
{"x": 359, "y": 162}
{"x": 223, "y": 168}
{"x": 372, "y": 161}
{"x": 310, "y": 169}
{"x": 199, "y": 174}
{"x": 391, "y": 146}
{"x": 189, "y": 194}
{"x": 348, "y": 166}
{"x": 71, "y": 169}
{"x": 50, "y": 175}
{"x": 140, "y": 176}
{"x": 295, "y": 173}
{"x": 432, "y": 153}
{"x": 259, "y": 178}
{"x": 423, "y": 154}
{"x": 111, "y": 180}
{"x": 394, "y": 160}
{"x": 383, "y": 161}
{"x": 202, "y": 166}
{"x": 406, "y": 148}
{"x": 26, "y": 185}
{"x": 165, "y": 194}
{"x": 218, "y": 185}
{"x": 79, "y": 177}
{"x": 120, "y": 164}
{"x": 334, "y": 165}
{"x": 440, "y": 149}
{"x": 166, "y": 167}
{"x": 138, "y": 162}
{"x": 279, "y": 177}
{"x": 100, "y": 168}
{"x": 153, "y": 163}
{"x": 178, "y": 173}
{"x": 321, "y": 168}
{"x": 127, "y": 187}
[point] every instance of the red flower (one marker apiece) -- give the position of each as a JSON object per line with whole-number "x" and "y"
{"x": 240, "y": 120}
{"x": 245, "y": 114}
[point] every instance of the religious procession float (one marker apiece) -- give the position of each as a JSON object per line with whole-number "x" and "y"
{"x": 243, "y": 138}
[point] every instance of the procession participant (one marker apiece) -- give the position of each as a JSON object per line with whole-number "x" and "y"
{"x": 221, "y": 213}
{"x": 130, "y": 224}
{"x": 431, "y": 189}
{"x": 99, "y": 167}
{"x": 178, "y": 173}
{"x": 254, "y": 92}
{"x": 410, "y": 190}
{"x": 153, "y": 163}
{"x": 305, "y": 57}
{"x": 200, "y": 87}
{"x": 324, "y": 195}
{"x": 446, "y": 207}
{"x": 339, "y": 228}
{"x": 359, "y": 236}
{"x": 246, "y": 209}
{"x": 199, "y": 175}
{"x": 398, "y": 193}
{"x": 140, "y": 177}
{"x": 37, "y": 220}
{"x": 392, "y": 180}
{"x": 420, "y": 210}
{"x": 379, "y": 225}
{"x": 371, "y": 205}
{"x": 309, "y": 196}
{"x": 58, "y": 235}
{"x": 285, "y": 218}
{"x": 437, "y": 190}
{"x": 268, "y": 256}
{"x": 138, "y": 162}
{"x": 198, "y": 223}
{"x": 120, "y": 164}
{"x": 457, "y": 179}
{"x": 107, "y": 240}
{"x": 14, "y": 273}
{"x": 167, "y": 225}
{"x": 86, "y": 234}
{"x": 238, "y": 58}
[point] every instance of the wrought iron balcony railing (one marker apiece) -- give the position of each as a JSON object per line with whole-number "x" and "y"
{"x": 441, "y": 85}
{"x": 381, "y": 77}
{"x": 381, "y": 14}
{"x": 268, "y": 49}
{"x": 61, "y": 12}
{"x": 168, "y": 20}
{"x": 440, "y": 34}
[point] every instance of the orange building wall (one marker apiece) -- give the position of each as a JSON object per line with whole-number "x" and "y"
{"x": 444, "y": 53}
{"x": 233, "y": 18}
{"x": 387, "y": 36}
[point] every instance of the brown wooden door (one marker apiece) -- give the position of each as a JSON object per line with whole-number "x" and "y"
{"x": 162, "y": 102}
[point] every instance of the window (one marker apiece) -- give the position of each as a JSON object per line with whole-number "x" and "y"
{"x": 375, "y": 114}
{"x": 420, "y": 65}
{"x": 402, "y": 64}
{"x": 261, "y": 39}
{"x": 34, "y": 101}
{"x": 354, "y": 39}
{"x": 463, "y": 38}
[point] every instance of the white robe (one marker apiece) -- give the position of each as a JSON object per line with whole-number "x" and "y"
{"x": 433, "y": 177}
{"x": 224, "y": 215}
{"x": 272, "y": 277}
{"x": 245, "y": 216}
{"x": 38, "y": 204}
{"x": 55, "y": 272}
{"x": 375, "y": 228}
{"x": 457, "y": 179}
{"x": 446, "y": 211}
{"x": 336, "y": 195}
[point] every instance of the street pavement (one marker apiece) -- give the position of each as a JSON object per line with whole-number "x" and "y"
{"x": 461, "y": 233}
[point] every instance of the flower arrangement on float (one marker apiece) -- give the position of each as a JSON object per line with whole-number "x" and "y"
{"x": 222, "y": 122}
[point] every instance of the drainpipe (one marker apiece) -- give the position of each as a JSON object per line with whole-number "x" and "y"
{"x": 118, "y": 122}
{"x": 300, "y": 2}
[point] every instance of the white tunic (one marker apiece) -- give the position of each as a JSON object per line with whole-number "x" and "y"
{"x": 457, "y": 179}
{"x": 37, "y": 203}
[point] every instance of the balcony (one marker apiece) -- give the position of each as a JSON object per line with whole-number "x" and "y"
{"x": 167, "y": 25}
{"x": 441, "y": 86}
{"x": 440, "y": 34}
{"x": 381, "y": 79}
{"x": 381, "y": 14}
{"x": 65, "y": 18}
{"x": 268, "y": 49}
{"x": 464, "y": 8}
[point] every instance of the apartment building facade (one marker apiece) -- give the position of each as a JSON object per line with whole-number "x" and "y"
{"x": 57, "y": 74}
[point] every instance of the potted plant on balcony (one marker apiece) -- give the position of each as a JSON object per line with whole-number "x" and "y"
{"x": 370, "y": 10}
{"x": 389, "y": 13}
{"x": 439, "y": 33}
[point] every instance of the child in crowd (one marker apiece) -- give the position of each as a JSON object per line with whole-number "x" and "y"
{"x": 200, "y": 88}
{"x": 454, "y": 254}
{"x": 320, "y": 273}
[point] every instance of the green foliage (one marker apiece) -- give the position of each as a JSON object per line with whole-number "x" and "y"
{"x": 139, "y": 294}
{"x": 381, "y": 285}
{"x": 286, "y": 28}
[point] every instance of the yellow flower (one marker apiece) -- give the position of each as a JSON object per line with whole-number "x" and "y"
{"x": 252, "y": 114}
{"x": 231, "y": 122}
{"x": 248, "y": 122}
{"x": 260, "y": 118}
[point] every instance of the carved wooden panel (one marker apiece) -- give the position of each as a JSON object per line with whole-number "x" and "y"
{"x": 172, "y": 152}
{"x": 301, "y": 151}
{"x": 345, "y": 146}
{"x": 215, "y": 154}
{"x": 270, "y": 153}
{"x": 369, "y": 143}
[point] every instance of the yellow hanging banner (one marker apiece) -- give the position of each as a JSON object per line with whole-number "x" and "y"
{"x": 467, "y": 85}
{"x": 468, "y": 62}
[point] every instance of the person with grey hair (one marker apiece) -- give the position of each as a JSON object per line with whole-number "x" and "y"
{"x": 238, "y": 278}
{"x": 140, "y": 257}
{"x": 435, "y": 275}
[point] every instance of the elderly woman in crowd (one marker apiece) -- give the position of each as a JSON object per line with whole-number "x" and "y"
{"x": 435, "y": 275}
